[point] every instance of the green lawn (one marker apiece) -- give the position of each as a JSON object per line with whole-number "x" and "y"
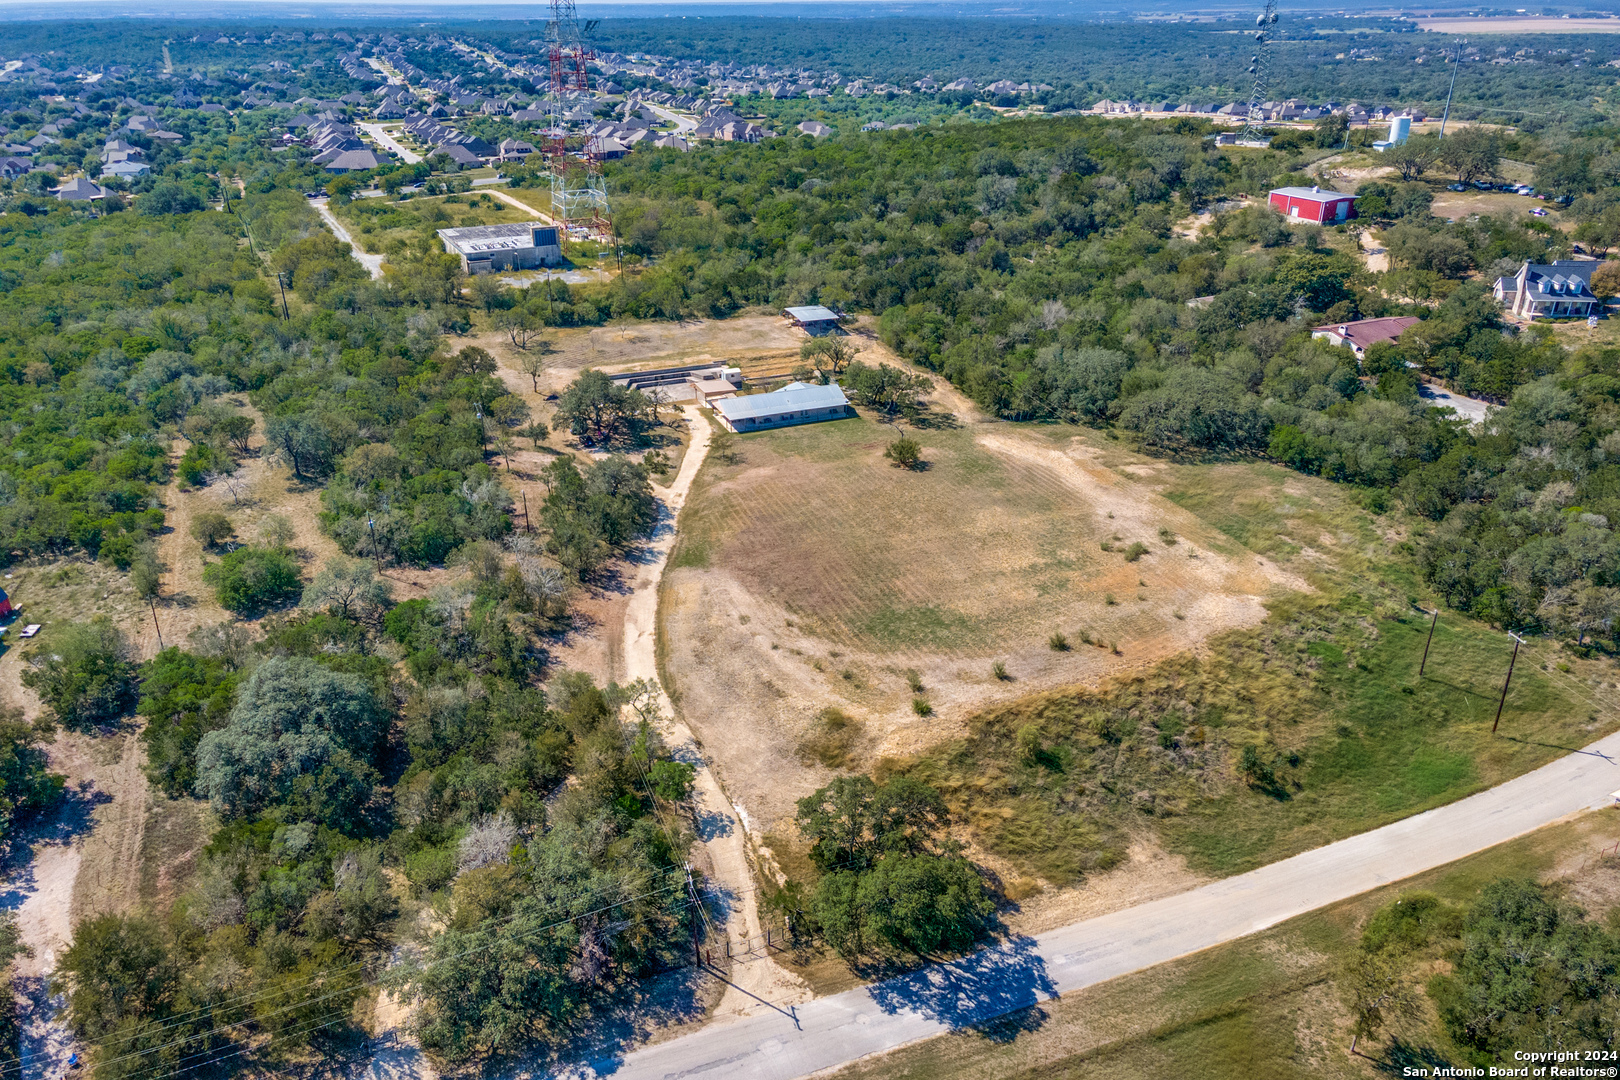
{"x": 376, "y": 224}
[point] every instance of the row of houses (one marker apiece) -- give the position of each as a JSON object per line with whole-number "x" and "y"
{"x": 1290, "y": 110}
{"x": 339, "y": 150}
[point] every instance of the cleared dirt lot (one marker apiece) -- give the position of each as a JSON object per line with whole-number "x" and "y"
{"x": 650, "y": 345}
{"x": 811, "y": 573}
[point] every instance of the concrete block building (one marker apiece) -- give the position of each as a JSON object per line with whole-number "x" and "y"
{"x": 486, "y": 249}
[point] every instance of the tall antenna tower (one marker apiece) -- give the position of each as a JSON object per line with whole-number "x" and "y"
{"x": 579, "y": 199}
{"x": 1260, "y": 68}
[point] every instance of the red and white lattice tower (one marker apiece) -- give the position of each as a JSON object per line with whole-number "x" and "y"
{"x": 578, "y": 194}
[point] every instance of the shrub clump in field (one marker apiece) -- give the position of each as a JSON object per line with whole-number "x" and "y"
{"x": 832, "y": 739}
{"x": 1058, "y": 642}
{"x": 921, "y": 707}
{"x": 253, "y": 579}
{"x": 1135, "y": 551}
{"x": 905, "y": 452}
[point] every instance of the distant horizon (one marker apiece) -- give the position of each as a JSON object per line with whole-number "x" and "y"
{"x": 492, "y": 10}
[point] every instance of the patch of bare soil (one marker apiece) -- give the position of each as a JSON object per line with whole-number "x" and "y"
{"x": 1149, "y": 873}
{"x": 85, "y": 861}
{"x": 109, "y": 878}
{"x": 1376, "y": 254}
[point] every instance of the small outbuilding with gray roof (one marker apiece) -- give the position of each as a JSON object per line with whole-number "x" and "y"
{"x": 795, "y": 403}
{"x": 815, "y": 319}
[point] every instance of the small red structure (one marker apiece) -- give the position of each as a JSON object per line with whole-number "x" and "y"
{"x": 1313, "y": 204}
{"x": 5, "y": 605}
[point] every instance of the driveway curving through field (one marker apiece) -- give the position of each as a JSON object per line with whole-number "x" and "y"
{"x": 833, "y": 1031}
{"x": 755, "y": 978}
{"x": 372, "y": 263}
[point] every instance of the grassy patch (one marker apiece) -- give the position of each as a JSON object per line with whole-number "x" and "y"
{"x": 879, "y": 555}
{"x": 832, "y": 739}
{"x": 1345, "y": 738}
{"x": 378, "y": 224}
{"x": 925, "y": 627}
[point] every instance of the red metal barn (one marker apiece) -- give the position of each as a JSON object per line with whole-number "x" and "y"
{"x": 1313, "y": 204}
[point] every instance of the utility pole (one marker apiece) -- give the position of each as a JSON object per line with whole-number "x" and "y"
{"x": 285, "y": 315}
{"x": 1454, "y": 67}
{"x": 153, "y": 601}
{"x": 376, "y": 556}
{"x": 1426, "y": 644}
{"x": 527, "y": 527}
{"x": 1517, "y": 641}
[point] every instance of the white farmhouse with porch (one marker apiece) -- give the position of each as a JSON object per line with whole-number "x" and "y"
{"x": 1556, "y": 290}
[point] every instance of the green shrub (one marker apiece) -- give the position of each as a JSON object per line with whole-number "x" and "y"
{"x": 212, "y": 529}
{"x": 1135, "y": 551}
{"x": 1058, "y": 643}
{"x": 84, "y": 674}
{"x": 251, "y": 580}
{"x": 921, "y": 707}
{"x": 431, "y": 869}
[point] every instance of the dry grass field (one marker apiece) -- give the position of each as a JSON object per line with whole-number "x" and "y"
{"x": 760, "y": 343}
{"x": 811, "y": 573}
{"x": 1509, "y": 24}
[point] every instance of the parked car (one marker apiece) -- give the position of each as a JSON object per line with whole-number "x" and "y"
{"x": 1455, "y": 187}
{"x": 1525, "y": 189}
{"x": 1483, "y": 185}
{"x": 1538, "y": 212}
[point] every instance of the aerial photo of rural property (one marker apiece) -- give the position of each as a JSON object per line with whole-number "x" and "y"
{"x": 759, "y": 540}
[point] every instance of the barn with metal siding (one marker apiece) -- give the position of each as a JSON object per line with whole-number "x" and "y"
{"x": 1313, "y": 204}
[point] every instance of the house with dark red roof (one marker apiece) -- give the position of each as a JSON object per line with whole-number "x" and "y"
{"x": 1363, "y": 333}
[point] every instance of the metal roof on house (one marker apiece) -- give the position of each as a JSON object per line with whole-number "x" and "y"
{"x": 814, "y": 313}
{"x": 794, "y": 397}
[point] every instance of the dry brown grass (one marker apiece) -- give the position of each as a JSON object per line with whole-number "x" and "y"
{"x": 811, "y": 575}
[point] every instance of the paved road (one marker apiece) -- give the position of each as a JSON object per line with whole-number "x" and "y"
{"x": 838, "y": 1029}
{"x": 389, "y": 143}
{"x": 683, "y": 124}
